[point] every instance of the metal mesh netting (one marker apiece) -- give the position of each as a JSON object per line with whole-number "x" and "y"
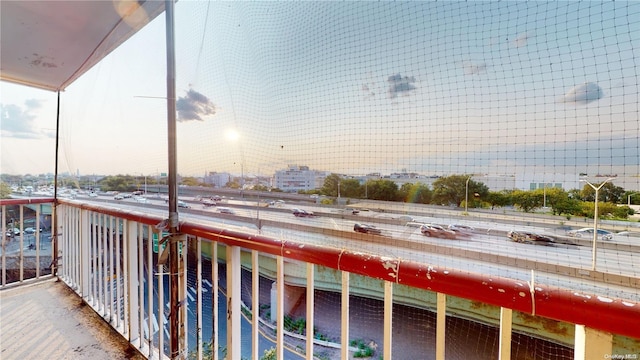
{"x": 537, "y": 100}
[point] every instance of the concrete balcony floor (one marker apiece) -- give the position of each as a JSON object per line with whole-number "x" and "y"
{"x": 47, "y": 320}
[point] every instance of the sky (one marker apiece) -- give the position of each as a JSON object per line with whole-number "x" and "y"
{"x": 438, "y": 88}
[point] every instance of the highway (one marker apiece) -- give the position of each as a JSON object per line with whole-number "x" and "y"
{"x": 617, "y": 258}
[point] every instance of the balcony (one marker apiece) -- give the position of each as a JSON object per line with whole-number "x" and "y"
{"x": 441, "y": 88}
{"x": 353, "y": 302}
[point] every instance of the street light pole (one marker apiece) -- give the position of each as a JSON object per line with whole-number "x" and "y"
{"x": 466, "y": 195}
{"x": 595, "y": 220}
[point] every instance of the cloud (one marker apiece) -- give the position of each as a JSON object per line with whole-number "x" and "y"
{"x": 400, "y": 84}
{"x": 471, "y": 68}
{"x": 521, "y": 40}
{"x": 583, "y": 94}
{"x": 18, "y": 122}
{"x": 194, "y": 106}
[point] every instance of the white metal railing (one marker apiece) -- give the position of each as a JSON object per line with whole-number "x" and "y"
{"x": 26, "y": 241}
{"x": 107, "y": 256}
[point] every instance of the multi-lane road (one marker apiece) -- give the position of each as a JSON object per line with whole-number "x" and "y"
{"x": 554, "y": 263}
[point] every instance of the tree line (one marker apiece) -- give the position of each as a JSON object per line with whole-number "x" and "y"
{"x": 454, "y": 190}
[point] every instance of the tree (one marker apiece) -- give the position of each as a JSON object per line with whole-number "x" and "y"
{"x": 453, "y": 190}
{"x": 117, "y": 183}
{"x": 607, "y": 193}
{"x": 499, "y": 198}
{"x": 330, "y": 186}
{"x": 415, "y": 193}
{"x": 527, "y": 200}
{"x": 351, "y": 188}
{"x": 5, "y": 190}
{"x": 190, "y": 181}
{"x": 385, "y": 190}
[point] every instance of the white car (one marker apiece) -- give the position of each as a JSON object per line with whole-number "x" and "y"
{"x": 587, "y": 233}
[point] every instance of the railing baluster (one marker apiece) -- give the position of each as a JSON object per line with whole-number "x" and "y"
{"x": 215, "y": 288}
{"x": 111, "y": 280}
{"x": 199, "y": 296}
{"x": 94, "y": 256}
{"x": 233, "y": 303}
{"x": 506, "y": 317}
{"x": 85, "y": 259}
{"x": 183, "y": 267}
{"x": 4, "y": 245}
{"x": 118, "y": 274}
{"x": 139, "y": 274}
{"x": 133, "y": 281}
{"x": 21, "y": 243}
{"x": 593, "y": 344}
{"x": 310, "y": 309}
{"x": 161, "y": 303}
{"x": 344, "y": 317}
{"x": 150, "y": 278}
{"x": 36, "y": 238}
{"x": 388, "y": 318}
{"x": 441, "y": 323}
{"x": 255, "y": 304}
{"x": 279, "y": 307}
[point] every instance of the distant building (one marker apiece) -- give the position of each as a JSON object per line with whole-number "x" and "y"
{"x": 217, "y": 179}
{"x": 299, "y": 178}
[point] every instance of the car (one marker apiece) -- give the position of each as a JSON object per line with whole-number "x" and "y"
{"x": 118, "y": 197}
{"x": 529, "y": 237}
{"x": 301, "y": 213}
{"x": 588, "y": 233}
{"x": 29, "y": 230}
{"x": 208, "y": 203}
{"x": 183, "y": 204}
{"x": 13, "y": 232}
{"x": 461, "y": 229}
{"x": 437, "y": 231}
{"x": 225, "y": 210}
{"x": 92, "y": 194}
{"x": 367, "y": 229}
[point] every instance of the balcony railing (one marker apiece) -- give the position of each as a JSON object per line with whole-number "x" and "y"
{"x": 247, "y": 295}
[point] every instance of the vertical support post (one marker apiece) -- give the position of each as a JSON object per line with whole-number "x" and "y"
{"x": 233, "y": 303}
{"x": 150, "y": 291}
{"x": 85, "y": 258}
{"x": 255, "y": 304}
{"x": 93, "y": 234}
{"x": 441, "y": 323}
{"x": 388, "y": 318}
{"x": 140, "y": 276}
{"x": 4, "y": 245}
{"x": 22, "y": 243}
{"x": 591, "y": 344}
{"x": 215, "y": 341}
{"x": 344, "y": 315}
{"x": 506, "y": 318}
{"x": 182, "y": 279}
{"x": 161, "y": 304}
{"x": 199, "y": 294}
{"x": 310, "y": 309}
{"x": 280, "y": 308}
{"x": 126, "y": 296}
{"x": 118, "y": 273}
{"x": 133, "y": 282}
{"x": 37, "y": 244}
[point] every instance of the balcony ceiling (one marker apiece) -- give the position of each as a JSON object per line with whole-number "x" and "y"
{"x": 49, "y": 44}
